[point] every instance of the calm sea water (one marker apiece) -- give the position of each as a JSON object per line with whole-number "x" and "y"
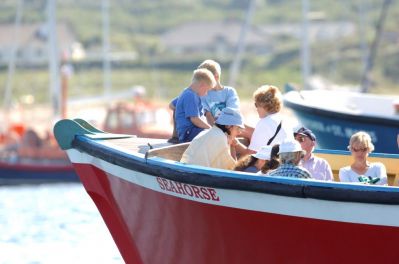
{"x": 55, "y": 223}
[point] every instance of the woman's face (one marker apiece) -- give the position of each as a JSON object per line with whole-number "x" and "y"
{"x": 359, "y": 151}
{"x": 259, "y": 163}
{"x": 234, "y": 131}
{"x": 261, "y": 110}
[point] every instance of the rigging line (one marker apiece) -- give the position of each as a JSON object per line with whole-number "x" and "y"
{"x": 11, "y": 63}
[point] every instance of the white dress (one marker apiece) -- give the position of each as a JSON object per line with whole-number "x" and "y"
{"x": 376, "y": 170}
{"x": 265, "y": 129}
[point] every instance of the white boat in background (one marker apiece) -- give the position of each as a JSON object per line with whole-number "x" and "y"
{"x": 336, "y": 115}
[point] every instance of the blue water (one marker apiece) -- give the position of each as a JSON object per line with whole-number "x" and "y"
{"x": 55, "y": 223}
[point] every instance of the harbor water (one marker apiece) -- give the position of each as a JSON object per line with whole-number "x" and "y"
{"x": 52, "y": 223}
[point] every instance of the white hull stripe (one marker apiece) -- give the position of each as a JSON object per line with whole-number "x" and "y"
{"x": 350, "y": 212}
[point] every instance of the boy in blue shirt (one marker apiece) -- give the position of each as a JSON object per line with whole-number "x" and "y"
{"x": 189, "y": 109}
{"x": 219, "y": 97}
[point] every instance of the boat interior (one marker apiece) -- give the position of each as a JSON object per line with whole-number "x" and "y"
{"x": 336, "y": 159}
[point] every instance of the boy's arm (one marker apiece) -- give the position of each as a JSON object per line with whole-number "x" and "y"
{"x": 198, "y": 122}
{"x": 209, "y": 118}
{"x": 172, "y": 104}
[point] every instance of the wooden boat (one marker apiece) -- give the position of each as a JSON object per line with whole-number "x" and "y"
{"x": 159, "y": 210}
{"x": 336, "y": 115}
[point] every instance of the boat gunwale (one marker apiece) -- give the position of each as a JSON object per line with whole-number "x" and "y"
{"x": 216, "y": 178}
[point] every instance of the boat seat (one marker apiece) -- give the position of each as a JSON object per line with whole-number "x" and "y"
{"x": 172, "y": 152}
{"x": 175, "y": 152}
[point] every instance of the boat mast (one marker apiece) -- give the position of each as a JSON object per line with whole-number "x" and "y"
{"x": 366, "y": 78}
{"x": 11, "y": 63}
{"x": 53, "y": 56}
{"x": 106, "y": 47}
{"x": 362, "y": 33}
{"x": 236, "y": 64}
{"x": 305, "y": 50}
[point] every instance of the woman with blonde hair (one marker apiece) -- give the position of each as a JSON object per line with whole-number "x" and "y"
{"x": 361, "y": 170}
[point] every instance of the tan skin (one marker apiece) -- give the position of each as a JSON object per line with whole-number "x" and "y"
{"x": 307, "y": 144}
{"x": 248, "y": 131}
{"x": 231, "y": 139}
{"x": 259, "y": 164}
{"x": 359, "y": 154}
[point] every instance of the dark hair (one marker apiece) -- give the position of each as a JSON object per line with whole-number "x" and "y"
{"x": 274, "y": 161}
{"x": 245, "y": 162}
{"x": 223, "y": 128}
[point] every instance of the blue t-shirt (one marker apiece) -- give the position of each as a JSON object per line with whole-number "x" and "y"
{"x": 174, "y": 101}
{"x": 216, "y": 100}
{"x": 188, "y": 105}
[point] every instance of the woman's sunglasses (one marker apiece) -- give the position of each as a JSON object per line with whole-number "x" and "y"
{"x": 300, "y": 139}
{"x": 359, "y": 149}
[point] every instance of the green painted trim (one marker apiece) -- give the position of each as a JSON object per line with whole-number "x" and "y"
{"x": 87, "y": 125}
{"x": 65, "y": 131}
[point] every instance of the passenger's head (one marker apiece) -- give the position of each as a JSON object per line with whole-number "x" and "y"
{"x": 268, "y": 100}
{"x": 203, "y": 80}
{"x": 213, "y": 67}
{"x": 306, "y": 138}
{"x": 274, "y": 160}
{"x": 290, "y": 152}
{"x": 231, "y": 121}
{"x": 360, "y": 144}
{"x": 263, "y": 155}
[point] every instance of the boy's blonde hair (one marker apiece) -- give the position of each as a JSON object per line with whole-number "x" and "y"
{"x": 212, "y": 66}
{"x": 204, "y": 75}
{"x": 363, "y": 139}
{"x": 269, "y": 97}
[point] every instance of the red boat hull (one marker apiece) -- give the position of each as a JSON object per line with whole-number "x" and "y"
{"x": 149, "y": 226}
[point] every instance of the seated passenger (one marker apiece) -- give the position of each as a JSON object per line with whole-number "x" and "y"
{"x": 254, "y": 162}
{"x": 290, "y": 156}
{"x": 271, "y": 128}
{"x": 318, "y": 167}
{"x": 188, "y": 111}
{"x": 361, "y": 170}
{"x": 218, "y": 97}
{"x": 273, "y": 162}
{"x": 212, "y": 148}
